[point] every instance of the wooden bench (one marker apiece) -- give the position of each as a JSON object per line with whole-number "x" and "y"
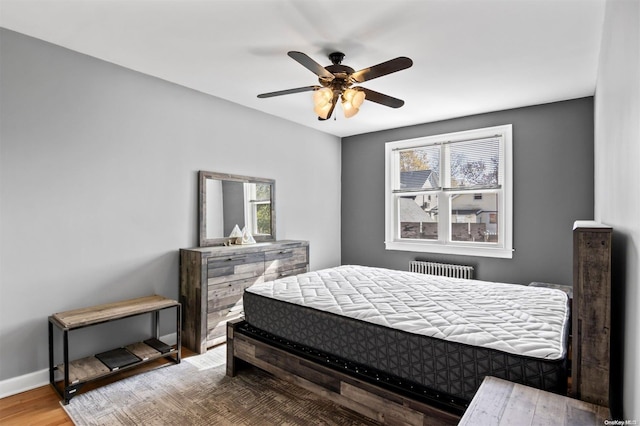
{"x": 67, "y": 378}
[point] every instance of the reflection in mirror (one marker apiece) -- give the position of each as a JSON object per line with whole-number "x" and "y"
{"x": 258, "y": 208}
{"x": 229, "y": 200}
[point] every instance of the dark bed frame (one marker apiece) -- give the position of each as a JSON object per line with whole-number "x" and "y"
{"x": 377, "y": 396}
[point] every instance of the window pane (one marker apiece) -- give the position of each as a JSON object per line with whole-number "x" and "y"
{"x": 263, "y": 192}
{"x": 420, "y": 168}
{"x": 475, "y": 163}
{"x": 263, "y": 215}
{"x": 474, "y": 218}
{"x": 418, "y": 216}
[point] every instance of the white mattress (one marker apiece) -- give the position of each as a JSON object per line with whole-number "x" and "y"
{"x": 520, "y": 320}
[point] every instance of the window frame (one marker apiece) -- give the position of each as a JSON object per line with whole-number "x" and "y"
{"x": 444, "y": 244}
{"x": 251, "y": 204}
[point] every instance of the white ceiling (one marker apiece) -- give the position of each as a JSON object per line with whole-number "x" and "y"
{"x": 470, "y": 56}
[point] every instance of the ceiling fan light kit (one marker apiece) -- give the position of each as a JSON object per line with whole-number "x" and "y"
{"x": 351, "y": 101}
{"x": 336, "y": 81}
{"x": 324, "y": 101}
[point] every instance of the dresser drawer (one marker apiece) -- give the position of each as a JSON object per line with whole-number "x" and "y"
{"x": 227, "y": 277}
{"x": 224, "y": 303}
{"x": 285, "y": 261}
{"x": 234, "y": 267}
{"x": 217, "y": 323}
{"x": 228, "y": 294}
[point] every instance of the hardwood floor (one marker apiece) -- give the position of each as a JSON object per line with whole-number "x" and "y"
{"x": 41, "y": 406}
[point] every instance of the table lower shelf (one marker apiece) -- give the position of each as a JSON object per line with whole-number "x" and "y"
{"x": 91, "y": 368}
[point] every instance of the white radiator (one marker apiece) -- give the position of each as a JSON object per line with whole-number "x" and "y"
{"x": 442, "y": 269}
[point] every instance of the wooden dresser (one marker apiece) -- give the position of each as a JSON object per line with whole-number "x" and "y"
{"x": 591, "y": 312}
{"x": 213, "y": 279}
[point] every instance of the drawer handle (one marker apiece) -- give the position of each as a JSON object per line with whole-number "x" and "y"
{"x": 235, "y": 258}
{"x": 285, "y": 251}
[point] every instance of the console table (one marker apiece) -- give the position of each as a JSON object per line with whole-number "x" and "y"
{"x": 72, "y": 375}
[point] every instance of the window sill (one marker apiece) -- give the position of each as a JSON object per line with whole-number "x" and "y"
{"x": 463, "y": 250}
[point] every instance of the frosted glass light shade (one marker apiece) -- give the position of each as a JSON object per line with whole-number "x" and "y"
{"x": 322, "y": 99}
{"x": 351, "y": 101}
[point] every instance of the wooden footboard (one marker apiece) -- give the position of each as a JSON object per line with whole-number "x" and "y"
{"x": 365, "y": 398}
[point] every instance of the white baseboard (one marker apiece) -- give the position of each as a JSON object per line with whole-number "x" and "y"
{"x": 24, "y": 383}
{"x": 16, "y": 385}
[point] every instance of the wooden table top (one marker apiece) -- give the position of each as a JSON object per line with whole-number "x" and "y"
{"x": 499, "y": 402}
{"x": 110, "y": 311}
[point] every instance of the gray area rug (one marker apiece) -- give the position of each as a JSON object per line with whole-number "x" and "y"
{"x": 197, "y": 392}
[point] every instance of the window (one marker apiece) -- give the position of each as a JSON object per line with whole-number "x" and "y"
{"x": 451, "y": 193}
{"x": 258, "y": 207}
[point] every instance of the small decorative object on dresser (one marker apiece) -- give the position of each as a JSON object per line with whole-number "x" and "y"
{"x": 213, "y": 279}
{"x": 235, "y": 233}
{"x": 246, "y": 237}
{"x": 591, "y": 312}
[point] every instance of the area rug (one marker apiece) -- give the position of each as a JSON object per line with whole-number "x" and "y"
{"x": 197, "y": 392}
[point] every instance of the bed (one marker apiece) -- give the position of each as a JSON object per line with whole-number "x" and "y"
{"x": 412, "y": 339}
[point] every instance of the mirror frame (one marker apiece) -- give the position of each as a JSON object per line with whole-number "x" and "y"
{"x": 202, "y": 201}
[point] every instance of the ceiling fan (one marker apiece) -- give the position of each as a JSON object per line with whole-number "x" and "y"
{"x": 336, "y": 83}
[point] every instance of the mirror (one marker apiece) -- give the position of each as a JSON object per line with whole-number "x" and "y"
{"x": 229, "y": 200}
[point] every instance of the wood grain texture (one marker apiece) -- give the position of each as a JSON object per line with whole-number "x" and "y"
{"x": 192, "y": 275}
{"x": 591, "y": 314}
{"x": 377, "y": 403}
{"x": 84, "y": 369}
{"x": 213, "y": 280}
{"x": 285, "y": 262}
{"x": 110, "y": 311}
{"x": 40, "y": 407}
{"x": 143, "y": 351}
{"x": 500, "y": 403}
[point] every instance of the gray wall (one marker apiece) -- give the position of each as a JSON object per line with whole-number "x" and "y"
{"x": 617, "y": 192}
{"x": 98, "y": 189}
{"x": 553, "y": 187}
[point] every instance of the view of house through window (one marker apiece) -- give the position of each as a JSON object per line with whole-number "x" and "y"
{"x": 474, "y": 219}
{"x": 451, "y": 193}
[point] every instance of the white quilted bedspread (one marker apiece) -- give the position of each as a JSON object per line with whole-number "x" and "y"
{"x": 512, "y": 318}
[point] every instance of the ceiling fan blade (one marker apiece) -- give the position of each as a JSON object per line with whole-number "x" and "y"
{"x": 381, "y": 98}
{"x": 288, "y": 91}
{"x": 384, "y": 68}
{"x": 311, "y": 65}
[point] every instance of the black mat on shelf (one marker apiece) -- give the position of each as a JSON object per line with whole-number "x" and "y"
{"x": 159, "y": 345}
{"x": 117, "y": 358}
